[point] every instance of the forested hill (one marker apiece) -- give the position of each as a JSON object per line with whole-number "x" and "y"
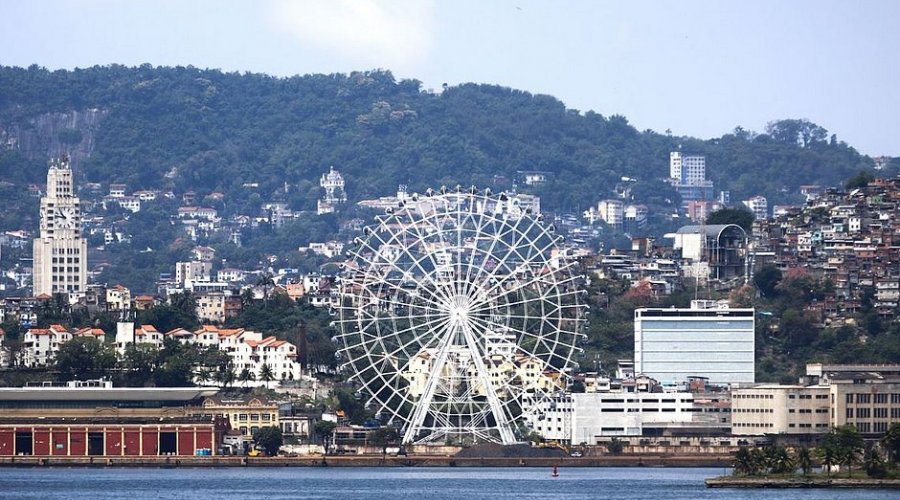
{"x": 205, "y": 130}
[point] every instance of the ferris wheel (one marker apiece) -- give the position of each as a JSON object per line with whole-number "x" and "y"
{"x": 458, "y": 316}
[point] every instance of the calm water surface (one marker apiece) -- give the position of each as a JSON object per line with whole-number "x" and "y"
{"x": 387, "y": 483}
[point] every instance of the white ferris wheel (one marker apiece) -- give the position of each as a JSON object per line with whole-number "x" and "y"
{"x": 458, "y": 316}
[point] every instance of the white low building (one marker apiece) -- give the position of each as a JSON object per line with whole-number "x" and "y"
{"x": 583, "y": 417}
{"x": 40, "y": 345}
{"x": 127, "y": 334}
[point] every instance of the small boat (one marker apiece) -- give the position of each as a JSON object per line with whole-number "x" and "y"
{"x": 555, "y": 472}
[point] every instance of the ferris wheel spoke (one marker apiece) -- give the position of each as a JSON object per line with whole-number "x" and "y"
{"x": 512, "y": 229}
{"x": 477, "y": 230}
{"x": 516, "y": 286}
{"x": 513, "y": 249}
{"x": 541, "y": 338}
{"x": 383, "y": 282}
{"x": 398, "y": 334}
{"x": 414, "y": 260}
{"x": 529, "y": 300}
{"x": 433, "y": 222}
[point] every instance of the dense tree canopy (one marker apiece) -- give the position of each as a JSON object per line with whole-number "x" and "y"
{"x": 84, "y": 358}
{"x": 738, "y": 216}
{"x": 184, "y": 128}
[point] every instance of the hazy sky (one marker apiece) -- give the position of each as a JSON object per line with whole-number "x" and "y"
{"x": 696, "y": 67}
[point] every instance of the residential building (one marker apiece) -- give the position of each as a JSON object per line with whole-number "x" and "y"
{"x": 187, "y": 272}
{"x": 211, "y": 307}
{"x": 127, "y": 334}
{"x": 671, "y": 345}
{"x": 699, "y": 210}
{"x": 118, "y": 298}
{"x": 687, "y": 169}
{"x": 40, "y": 345}
{"x": 230, "y": 275}
{"x": 759, "y": 205}
{"x": 117, "y": 190}
{"x": 60, "y": 253}
{"x": 687, "y": 174}
{"x": 612, "y": 212}
{"x": 635, "y": 217}
{"x": 248, "y": 350}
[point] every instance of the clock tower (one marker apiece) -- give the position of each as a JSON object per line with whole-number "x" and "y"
{"x": 60, "y": 253}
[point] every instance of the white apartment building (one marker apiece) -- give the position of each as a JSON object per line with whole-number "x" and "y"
{"x": 247, "y": 349}
{"x": 230, "y": 275}
{"x": 529, "y": 372}
{"x": 130, "y": 203}
{"x": 127, "y": 334}
{"x": 612, "y": 212}
{"x": 671, "y": 345}
{"x": 118, "y": 298}
{"x": 759, "y": 205}
{"x": 40, "y": 345}
{"x": 117, "y": 190}
{"x": 687, "y": 170}
{"x": 187, "y": 272}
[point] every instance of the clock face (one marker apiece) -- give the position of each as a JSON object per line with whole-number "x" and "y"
{"x": 65, "y": 218}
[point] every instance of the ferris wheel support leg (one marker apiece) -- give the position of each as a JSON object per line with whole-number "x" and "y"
{"x": 424, "y": 403}
{"x": 506, "y": 434}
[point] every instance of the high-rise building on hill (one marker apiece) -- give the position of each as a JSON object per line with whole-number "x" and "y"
{"x": 687, "y": 169}
{"x": 687, "y": 173}
{"x": 60, "y": 252}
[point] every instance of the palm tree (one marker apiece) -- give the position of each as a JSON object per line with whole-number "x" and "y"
{"x": 266, "y": 281}
{"x": 743, "y": 462}
{"x": 202, "y": 375}
{"x": 781, "y": 462}
{"x": 850, "y": 445}
{"x": 873, "y": 463}
{"x": 891, "y": 442}
{"x": 246, "y": 376}
{"x": 804, "y": 459}
{"x": 225, "y": 375}
{"x": 829, "y": 451}
{"x": 265, "y": 374}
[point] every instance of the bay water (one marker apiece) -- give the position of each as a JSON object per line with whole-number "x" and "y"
{"x": 417, "y": 483}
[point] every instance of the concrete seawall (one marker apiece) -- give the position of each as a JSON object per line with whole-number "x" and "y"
{"x": 801, "y": 482}
{"x": 368, "y": 461}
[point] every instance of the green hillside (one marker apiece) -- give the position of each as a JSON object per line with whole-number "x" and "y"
{"x": 214, "y": 131}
